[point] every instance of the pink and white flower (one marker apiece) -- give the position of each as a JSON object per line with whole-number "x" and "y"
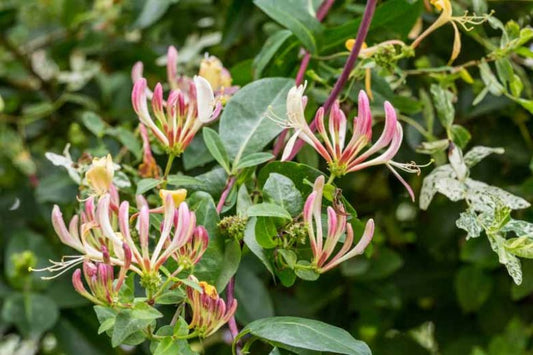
{"x": 344, "y": 156}
{"x": 323, "y": 247}
{"x": 107, "y": 226}
{"x": 178, "y": 118}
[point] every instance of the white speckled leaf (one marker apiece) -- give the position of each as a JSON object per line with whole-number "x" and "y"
{"x": 520, "y": 228}
{"x": 468, "y": 222}
{"x": 477, "y": 154}
{"x": 428, "y": 186}
{"x": 511, "y": 262}
{"x": 451, "y": 188}
{"x": 483, "y": 197}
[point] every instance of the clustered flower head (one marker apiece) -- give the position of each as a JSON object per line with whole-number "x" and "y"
{"x": 105, "y": 224}
{"x": 100, "y": 278}
{"x": 344, "y": 156}
{"x": 209, "y": 311}
{"x": 179, "y": 117}
{"x": 337, "y": 226}
{"x": 190, "y": 104}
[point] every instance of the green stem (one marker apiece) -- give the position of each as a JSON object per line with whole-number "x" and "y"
{"x": 330, "y": 180}
{"x": 167, "y": 168}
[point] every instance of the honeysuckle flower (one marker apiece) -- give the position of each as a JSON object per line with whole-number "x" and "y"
{"x": 446, "y": 15}
{"x": 107, "y": 224}
{"x": 192, "y": 251}
{"x": 212, "y": 70}
{"x": 100, "y": 174}
{"x": 209, "y": 311}
{"x": 148, "y": 168}
{"x": 178, "y": 196}
{"x": 337, "y": 226}
{"x": 180, "y": 117}
{"x": 100, "y": 279}
{"x": 345, "y": 157}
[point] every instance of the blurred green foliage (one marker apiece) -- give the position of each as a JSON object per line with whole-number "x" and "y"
{"x": 65, "y": 78}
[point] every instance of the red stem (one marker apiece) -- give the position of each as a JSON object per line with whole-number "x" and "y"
{"x": 350, "y": 62}
{"x": 230, "y": 292}
{"x": 230, "y": 289}
{"x": 225, "y": 193}
{"x": 320, "y": 15}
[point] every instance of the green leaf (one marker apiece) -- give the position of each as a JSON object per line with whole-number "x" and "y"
{"x": 443, "y": 104}
{"x": 504, "y": 68}
{"x": 305, "y": 273}
{"x": 94, "y": 123}
{"x": 301, "y": 333}
{"x": 216, "y": 147}
{"x": 289, "y": 256}
{"x": 230, "y": 264}
{"x": 473, "y": 288}
{"x": 209, "y": 266}
{"x": 152, "y": 11}
{"x": 126, "y": 325}
{"x": 266, "y": 232}
{"x": 254, "y": 299}
{"x": 516, "y": 86}
{"x": 245, "y": 126}
{"x": 171, "y": 346}
{"x": 253, "y": 245}
{"x": 253, "y": 160}
{"x": 244, "y": 201}
{"x": 392, "y": 16}
{"x": 184, "y": 181}
{"x": 32, "y": 314}
{"x": 301, "y": 23}
{"x": 146, "y": 185}
{"x": 269, "y": 50}
{"x": 267, "y": 209}
{"x": 128, "y": 140}
{"x": 143, "y": 311}
{"x": 300, "y": 174}
{"x": 282, "y": 191}
{"x": 460, "y": 135}
{"x": 492, "y": 84}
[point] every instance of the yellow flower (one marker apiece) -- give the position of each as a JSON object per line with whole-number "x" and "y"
{"x": 212, "y": 69}
{"x": 100, "y": 174}
{"x": 209, "y": 290}
{"x": 178, "y": 195}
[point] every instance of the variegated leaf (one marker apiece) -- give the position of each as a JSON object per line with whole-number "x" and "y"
{"x": 429, "y": 190}
{"x": 511, "y": 262}
{"x": 451, "y": 188}
{"x": 468, "y": 222}
{"x": 522, "y": 247}
{"x": 520, "y": 228}
{"x": 477, "y": 154}
{"x": 483, "y": 197}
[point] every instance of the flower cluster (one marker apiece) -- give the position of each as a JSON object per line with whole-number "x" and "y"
{"x": 100, "y": 278}
{"x": 190, "y": 104}
{"x": 337, "y": 226}
{"x": 179, "y": 117}
{"x": 209, "y": 311}
{"x": 345, "y": 157}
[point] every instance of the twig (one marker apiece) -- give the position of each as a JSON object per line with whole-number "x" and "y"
{"x": 350, "y": 62}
